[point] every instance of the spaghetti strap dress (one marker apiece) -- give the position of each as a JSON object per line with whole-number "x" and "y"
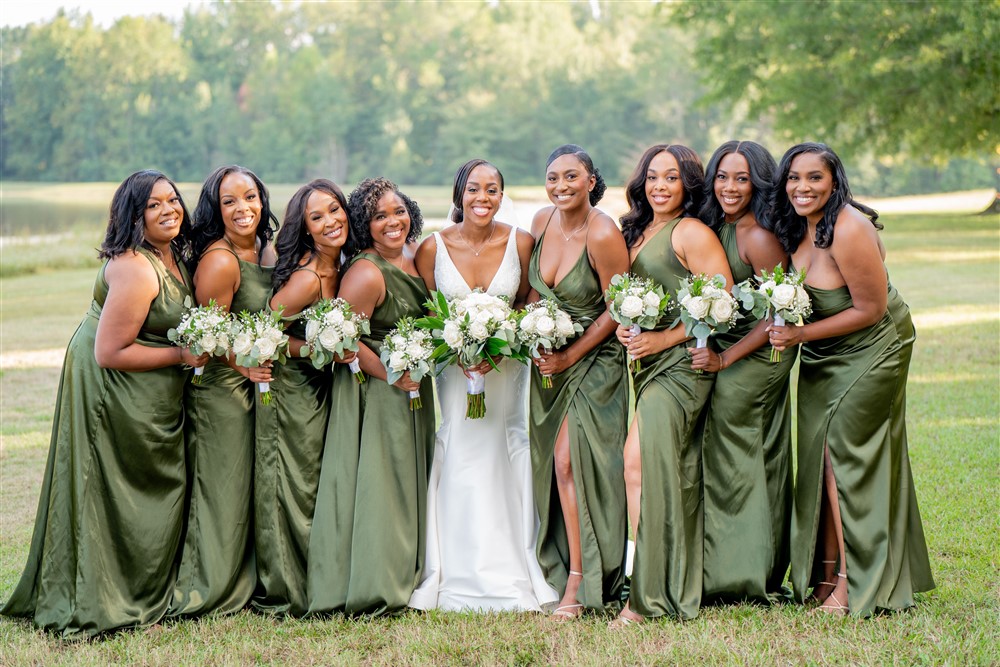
{"x": 592, "y": 396}
{"x": 669, "y": 398}
{"x": 747, "y": 455}
{"x": 290, "y": 433}
{"x": 111, "y": 509}
{"x": 366, "y": 549}
{"x": 217, "y": 565}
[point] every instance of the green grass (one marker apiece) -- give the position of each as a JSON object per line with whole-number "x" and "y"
{"x": 946, "y": 266}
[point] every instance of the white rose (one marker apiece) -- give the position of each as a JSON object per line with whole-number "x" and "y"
{"x": 223, "y": 341}
{"x": 696, "y": 306}
{"x": 802, "y": 302}
{"x": 452, "y": 335}
{"x": 335, "y": 316}
{"x": 212, "y": 320}
{"x": 631, "y": 306}
{"x": 483, "y": 316}
{"x": 783, "y": 296}
{"x": 546, "y": 325}
{"x": 329, "y": 338}
{"x": 767, "y": 287}
{"x": 274, "y": 335}
{"x": 398, "y": 342}
{"x": 564, "y": 325}
{"x": 397, "y": 361}
{"x": 208, "y": 342}
{"x": 312, "y": 328}
{"x": 651, "y": 300}
{"x": 266, "y": 347}
{"x": 722, "y": 309}
{"x": 242, "y": 344}
{"x": 349, "y": 329}
{"x": 479, "y": 331}
{"x": 415, "y": 351}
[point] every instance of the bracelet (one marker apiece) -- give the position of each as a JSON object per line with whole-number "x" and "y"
{"x": 180, "y": 355}
{"x": 722, "y": 363}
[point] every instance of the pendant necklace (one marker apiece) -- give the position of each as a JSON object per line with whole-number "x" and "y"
{"x": 577, "y": 230}
{"x": 483, "y": 245}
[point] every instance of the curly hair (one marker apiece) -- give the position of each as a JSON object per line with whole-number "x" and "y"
{"x": 640, "y": 213}
{"x": 462, "y": 179}
{"x": 208, "y": 225}
{"x": 294, "y": 240}
{"x": 361, "y": 205}
{"x": 790, "y": 227}
{"x": 127, "y": 215}
{"x": 576, "y": 151}
{"x": 761, "y": 166}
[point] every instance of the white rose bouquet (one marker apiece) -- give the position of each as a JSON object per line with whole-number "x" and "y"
{"x": 408, "y": 348}
{"x": 257, "y": 339}
{"x": 706, "y": 307}
{"x": 203, "y": 330}
{"x": 468, "y": 330}
{"x": 544, "y": 326}
{"x": 780, "y": 294}
{"x": 332, "y": 328}
{"x": 635, "y": 302}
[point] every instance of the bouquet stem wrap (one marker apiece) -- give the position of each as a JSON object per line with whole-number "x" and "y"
{"x": 775, "y": 354}
{"x": 198, "y": 371}
{"x": 415, "y": 402}
{"x": 475, "y": 395}
{"x": 355, "y": 367}
{"x": 636, "y": 365}
{"x": 265, "y": 392}
{"x": 547, "y": 379}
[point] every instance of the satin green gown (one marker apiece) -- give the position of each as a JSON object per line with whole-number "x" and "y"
{"x": 111, "y": 508}
{"x": 366, "y": 549}
{"x": 592, "y": 396}
{"x": 747, "y": 457}
{"x": 217, "y": 572}
{"x": 289, "y": 433}
{"x": 669, "y": 398}
{"x": 852, "y": 398}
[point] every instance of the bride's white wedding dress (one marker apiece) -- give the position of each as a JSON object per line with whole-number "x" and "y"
{"x": 481, "y": 523}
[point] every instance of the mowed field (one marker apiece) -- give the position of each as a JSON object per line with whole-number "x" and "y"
{"x": 946, "y": 265}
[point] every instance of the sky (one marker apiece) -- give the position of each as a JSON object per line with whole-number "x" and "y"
{"x": 23, "y": 12}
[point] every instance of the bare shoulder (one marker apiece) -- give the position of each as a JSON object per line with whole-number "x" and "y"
{"x": 603, "y": 228}
{"x": 269, "y": 256}
{"x": 853, "y": 228}
{"x": 541, "y": 217}
{"x": 218, "y": 257}
{"x": 363, "y": 273}
{"x": 763, "y": 239}
{"x": 693, "y": 229}
{"x": 131, "y": 266}
{"x": 427, "y": 247}
{"x": 524, "y": 240}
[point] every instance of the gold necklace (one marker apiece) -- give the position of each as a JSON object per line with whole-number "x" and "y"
{"x": 577, "y": 230}
{"x": 484, "y": 243}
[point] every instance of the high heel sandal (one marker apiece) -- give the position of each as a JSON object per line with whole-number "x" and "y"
{"x": 814, "y": 598}
{"x": 836, "y": 608}
{"x": 564, "y": 612}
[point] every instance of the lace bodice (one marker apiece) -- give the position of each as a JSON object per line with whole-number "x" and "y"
{"x": 451, "y": 283}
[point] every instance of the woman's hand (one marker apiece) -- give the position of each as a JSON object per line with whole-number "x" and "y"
{"x": 345, "y": 358}
{"x": 406, "y": 383}
{"x": 624, "y": 335}
{"x": 552, "y": 363}
{"x": 257, "y": 373}
{"x": 188, "y": 358}
{"x": 483, "y": 367}
{"x": 704, "y": 359}
{"x": 644, "y": 344}
{"x": 784, "y": 337}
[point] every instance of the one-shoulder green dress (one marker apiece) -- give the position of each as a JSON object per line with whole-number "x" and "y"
{"x": 290, "y": 433}
{"x": 366, "y": 549}
{"x": 592, "y": 396}
{"x": 669, "y": 398}
{"x": 747, "y": 454}
{"x": 852, "y": 398}
{"x": 111, "y": 507}
{"x": 216, "y": 572}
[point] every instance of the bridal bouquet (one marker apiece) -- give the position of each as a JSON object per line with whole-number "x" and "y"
{"x": 469, "y": 329}
{"x": 706, "y": 307}
{"x": 203, "y": 330}
{"x": 780, "y": 294}
{"x": 544, "y": 326}
{"x": 635, "y": 302}
{"x": 408, "y": 348}
{"x": 331, "y": 328}
{"x": 257, "y": 339}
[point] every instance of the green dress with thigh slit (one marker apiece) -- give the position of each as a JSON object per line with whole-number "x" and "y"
{"x": 366, "y": 548}
{"x": 216, "y": 572}
{"x": 592, "y": 396}
{"x": 747, "y": 454}
{"x": 111, "y": 507}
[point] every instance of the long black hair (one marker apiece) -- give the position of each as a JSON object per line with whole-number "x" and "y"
{"x": 208, "y": 225}
{"x": 640, "y": 213}
{"x": 761, "y": 166}
{"x": 361, "y": 206}
{"x": 294, "y": 240}
{"x": 572, "y": 149}
{"x": 790, "y": 227}
{"x": 127, "y": 217}
{"x": 462, "y": 179}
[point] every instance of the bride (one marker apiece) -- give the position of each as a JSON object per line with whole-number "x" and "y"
{"x": 481, "y": 517}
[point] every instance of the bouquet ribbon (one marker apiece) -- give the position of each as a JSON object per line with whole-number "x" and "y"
{"x": 475, "y": 384}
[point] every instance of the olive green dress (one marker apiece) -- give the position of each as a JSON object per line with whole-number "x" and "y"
{"x": 747, "y": 454}
{"x": 111, "y": 509}
{"x": 366, "y": 549}
{"x": 669, "y": 398}
{"x": 592, "y": 396}
{"x": 216, "y": 572}
{"x": 290, "y": 433}
{"x": 852, "y": 391}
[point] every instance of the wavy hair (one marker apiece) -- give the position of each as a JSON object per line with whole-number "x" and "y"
{"x": 127, "y": 218}
{"x": 461, "y": 180}
{"x": 208, "y": 225}
{"x": 761, "y": 166}
{"x": 361, "y": 205}
{"x": 790, "y": 227}
{"x": 576, "y": 151}
{"x": 640, "y": 213}
{"x": 294, "y": 240}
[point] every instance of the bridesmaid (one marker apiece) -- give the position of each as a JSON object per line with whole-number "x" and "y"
{"x": 746, "y": 446}
{"x": 111, "y": 508}
{"x": 366, "y": 549}
{"x": 290, "y": 432}
{"x": 856, "y": 532}
{"x": 233, "y": 226}
{"x": 667, "y": 243}
{"x": 577, "y": 424}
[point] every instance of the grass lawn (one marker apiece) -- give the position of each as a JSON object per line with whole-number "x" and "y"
{"x": 946, "y": 266}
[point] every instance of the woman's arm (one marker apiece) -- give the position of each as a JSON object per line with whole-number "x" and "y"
{"x": 301, "y": 290}
{"x": 525, "y": 245}
{"x": 424, "y": 261}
